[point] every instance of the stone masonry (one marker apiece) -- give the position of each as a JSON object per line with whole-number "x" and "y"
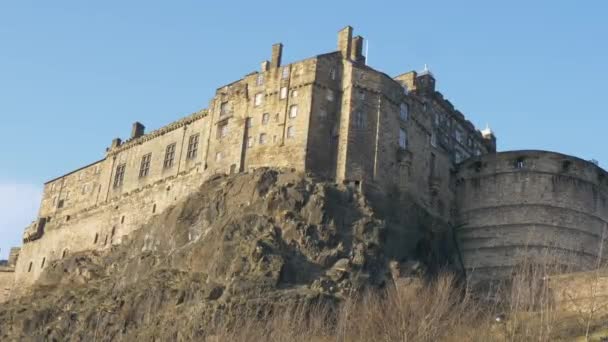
{"x": 330, "y": 115}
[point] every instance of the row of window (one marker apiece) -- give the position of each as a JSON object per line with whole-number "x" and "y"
{"x": 291, "y": 132}
{"x": 258, "y": 99}
{"x": 285, "y": 74}
{"x": 168, "y": 161}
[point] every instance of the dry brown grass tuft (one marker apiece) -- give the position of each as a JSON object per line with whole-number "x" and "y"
{"x": 439, "y": 310}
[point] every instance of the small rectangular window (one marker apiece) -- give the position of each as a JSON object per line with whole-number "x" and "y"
{"x": 259, "y": 99}
{"x": 120, "y": 175}
{"x": 144, "y": 168}
{"x": 260, "y": 80}
{"x": 283, "y": 93}
{"x": 249, "y": 142}
{"x": 262, "y": 138}
{"x": 224, "y": 108}
{"x": 285, "y": 73}
{"x": 222, "y": 130}
{"x": 192, "y": 146}
{"x": 293, "y": 111}
{"x": 248, "y": 122}
{"x": 332, "y": 73}
{"x": 433, "y": 139}
{"x": 403, "y": 111}
{"x": 291, "y": 132}
{"x": 169, "y": 156}
{"x": 359, "y": 119}
{"x": 294, "y": 93}
{"x": 265, "y": 118}
{"x": 218, "y": 156}
{"x": 330, "y": 95}
{"x": 402, "y": 138}
{"x": 85, "y": 189}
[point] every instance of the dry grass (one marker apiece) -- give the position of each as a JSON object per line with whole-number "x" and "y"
{"x": 439, "y": 310}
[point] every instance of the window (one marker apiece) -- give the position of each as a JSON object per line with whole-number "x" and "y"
{"x": 285, "y": 73}
{"x": 144, "y": 168}
{"x": 80, "y": 176}
{"x": 360, "y": 95}
{"x": 262, "y": 138}
{"x": 276, "y": 117}
{"x": 96, "y": 238}
{"x": 154, "y": 208}
{"x": 330, "y": 95}
{"x": 436, "y": 117}
{"x": 294, "y": 93}
{"x": 477, "y": 152}
{"x": 85, "y": 189}
{"x": 404, "y": 111}
{"x": 169, "y": 156}
{"x": 293, "y": 111}
{"x": 402, "y": 138}
{"x": 224, "y": 108}
{"x": 291, "y": 132}
{"x": 29, "y": 269}
{"x": 457, "y": 157}
{"x": 458, "y": 135}
{"x": 222, "y": 130}
{"x": 120, "y": 175}
{"x": 248, "y": 122}
{"x": 192, "y": 146}
{"x": 359, "y": 119}
{"x": 259, "y": 99}
{"x": 322, "y": 113}
{"x": 283, "y": 93}
{"x": 54, "y": 200}
{"x": 218, "y": 156}
{"x": 332, "y": 73}
{"x": 96, "y": 169}
{"x": 260, "y": 80}
{"x": 249, "y": 142}
{"x": 433, "y": 139}
{"x": 265, "y": 118}
{"x": 67, "y": 194}
{"x": 519, "y": 163}
{"x": 122, "y": 219}
{"x": 52, "y": 186}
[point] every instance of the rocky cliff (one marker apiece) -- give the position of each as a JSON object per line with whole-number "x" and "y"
{"x": 255, "y": 240}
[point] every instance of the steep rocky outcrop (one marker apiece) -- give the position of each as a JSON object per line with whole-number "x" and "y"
{"x": 247, "y": 241}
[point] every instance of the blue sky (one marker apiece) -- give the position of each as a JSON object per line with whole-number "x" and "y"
{"x": 75, "y": 74}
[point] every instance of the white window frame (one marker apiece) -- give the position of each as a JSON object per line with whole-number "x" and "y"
{"x": 283, "y": 93}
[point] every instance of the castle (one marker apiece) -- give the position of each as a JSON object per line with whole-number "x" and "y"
{"x": 338, "y": 119}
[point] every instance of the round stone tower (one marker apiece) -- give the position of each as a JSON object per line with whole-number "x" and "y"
{"x": 530, "y": 207}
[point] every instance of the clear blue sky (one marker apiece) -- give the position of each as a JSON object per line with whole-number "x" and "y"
{"x": 75, "y": 74}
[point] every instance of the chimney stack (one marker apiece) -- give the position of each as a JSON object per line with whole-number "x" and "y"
{"x": 356, "y": 53}
{"x": 345, "y": 37}
{"x": 137, "y": 130}
{"x": 277, "y": 54}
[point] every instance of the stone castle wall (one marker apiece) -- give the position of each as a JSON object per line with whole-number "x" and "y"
{"x": 330, "y": 115}
{"x": 530, "y": 207}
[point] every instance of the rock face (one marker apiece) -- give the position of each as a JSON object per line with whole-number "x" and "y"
{"x": 250, "y": 240}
